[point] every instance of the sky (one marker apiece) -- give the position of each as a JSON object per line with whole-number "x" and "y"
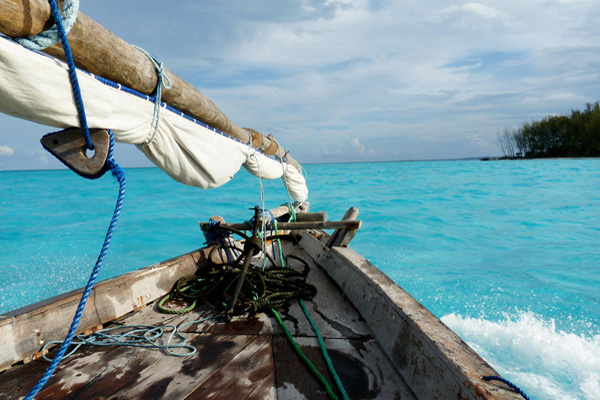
{"x": 359, "y": 80}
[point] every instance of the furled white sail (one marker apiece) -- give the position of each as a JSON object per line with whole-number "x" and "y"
{"x": 36, "y": 87}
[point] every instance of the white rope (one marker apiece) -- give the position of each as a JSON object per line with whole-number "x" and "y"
{"x": 262, "y": 201}
{"x": 285, "y": 182}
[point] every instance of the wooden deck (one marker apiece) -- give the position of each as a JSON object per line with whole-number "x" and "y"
{"x": 248, "y": 358}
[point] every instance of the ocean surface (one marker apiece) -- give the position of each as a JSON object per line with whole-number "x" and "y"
{"x": 507, "y": 253}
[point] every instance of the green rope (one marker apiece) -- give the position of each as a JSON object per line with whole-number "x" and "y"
{"x": 332, "y": 370}
{"x": 305, "y": 359}
{"x": 166, "y": 310}
{"x": 262, "y": 289}
{"x": 281, "y": 258}
{"x": 292, "y": 210}
{"x": 328, "y": 361}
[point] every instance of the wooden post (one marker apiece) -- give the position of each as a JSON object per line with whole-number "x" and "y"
{"x": 343, "y": 236}
{"x": 100, "y": 52}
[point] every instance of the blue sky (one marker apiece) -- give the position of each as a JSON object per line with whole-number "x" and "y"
{"x": 359, "y": 80}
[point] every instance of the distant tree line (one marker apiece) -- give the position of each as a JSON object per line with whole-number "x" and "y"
{"x": 577, "y": 135}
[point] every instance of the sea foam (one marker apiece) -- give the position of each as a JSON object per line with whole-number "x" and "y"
{"x": 530, "y": 352}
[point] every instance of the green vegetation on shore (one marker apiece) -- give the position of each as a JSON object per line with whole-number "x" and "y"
{"x": 577, "y": 135}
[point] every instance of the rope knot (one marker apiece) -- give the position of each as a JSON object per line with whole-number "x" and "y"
{"x": 162, "y": 78}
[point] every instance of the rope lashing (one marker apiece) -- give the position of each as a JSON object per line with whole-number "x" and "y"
{"x": 117, "y": 172}
{"x": 508, "y": 383}
{"x": 162, "y": 77}
{"x": 60, "y": 31}
{"x": 52, "y": 36}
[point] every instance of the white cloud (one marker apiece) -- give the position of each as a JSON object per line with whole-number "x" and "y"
{"x": 42, "y": 157}
{"x": 358, "y": 146}
{"x": 6, "y": 150}
{"x": 328, "y": 71}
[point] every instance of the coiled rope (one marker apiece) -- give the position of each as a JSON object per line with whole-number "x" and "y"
{"x": 262, "y": 290}
{"x": 117, "y": 172}
{"x": 142, "y": 336}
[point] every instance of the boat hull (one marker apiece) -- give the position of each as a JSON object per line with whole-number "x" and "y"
{"x": 382, "y": 341}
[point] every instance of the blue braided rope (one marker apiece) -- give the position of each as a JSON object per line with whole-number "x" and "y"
{"x": 508, "y": 383}
{"x": 119, "y": 174}
{"x": 72, "y": 73}
{"x": 52, "y": 36}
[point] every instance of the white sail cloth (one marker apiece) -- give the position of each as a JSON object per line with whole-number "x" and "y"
{"x": 36, "y": 87}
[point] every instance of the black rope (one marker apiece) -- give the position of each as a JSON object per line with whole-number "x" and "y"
{"x": 262, "y": 289}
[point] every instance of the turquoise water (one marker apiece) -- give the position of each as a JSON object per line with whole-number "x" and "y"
{"x": 505, "y": 253}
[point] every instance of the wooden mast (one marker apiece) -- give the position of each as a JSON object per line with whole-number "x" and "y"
{"x": 100, "y": 52}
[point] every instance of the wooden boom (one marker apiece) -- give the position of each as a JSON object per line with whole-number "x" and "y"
{"x": 100, "y": 52}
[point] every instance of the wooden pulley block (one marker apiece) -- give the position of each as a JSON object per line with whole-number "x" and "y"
{"x": 70, "y": 148}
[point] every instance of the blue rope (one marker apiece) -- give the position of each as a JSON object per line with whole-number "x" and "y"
{"x": 72, "y": 73}
{"x": 119, "y": 174}
{"x": 62, "y": 34}
{"x": 508, "y": 383}
{"x": 52, "y": 36}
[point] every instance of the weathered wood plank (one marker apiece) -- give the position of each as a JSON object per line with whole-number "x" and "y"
{"x": 241, "y": 376}
{"x": 266, "y": 390}
{"x": 433, "y": 360}
{"x": 126, "y": 373}
{"x": 284, "y": 226}
{"x": 333, "y": 314}
{"x": 26, "y": 329}
{"x": 100, "y": 52}
{"x": 363, "y": 368}
{"x": 316, "y": 216}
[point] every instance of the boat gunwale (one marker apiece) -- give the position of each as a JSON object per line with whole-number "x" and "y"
{"x": 26, "y": 329}
{"x": 436, "y": 355}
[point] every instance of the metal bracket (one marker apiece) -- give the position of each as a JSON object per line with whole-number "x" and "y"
{"x": 70, "y": 148}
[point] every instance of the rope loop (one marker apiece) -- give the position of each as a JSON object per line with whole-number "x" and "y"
{"x": 142, "y": 336}
{"x": 163, "y": 81}
{"x": 52, "y": 36}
